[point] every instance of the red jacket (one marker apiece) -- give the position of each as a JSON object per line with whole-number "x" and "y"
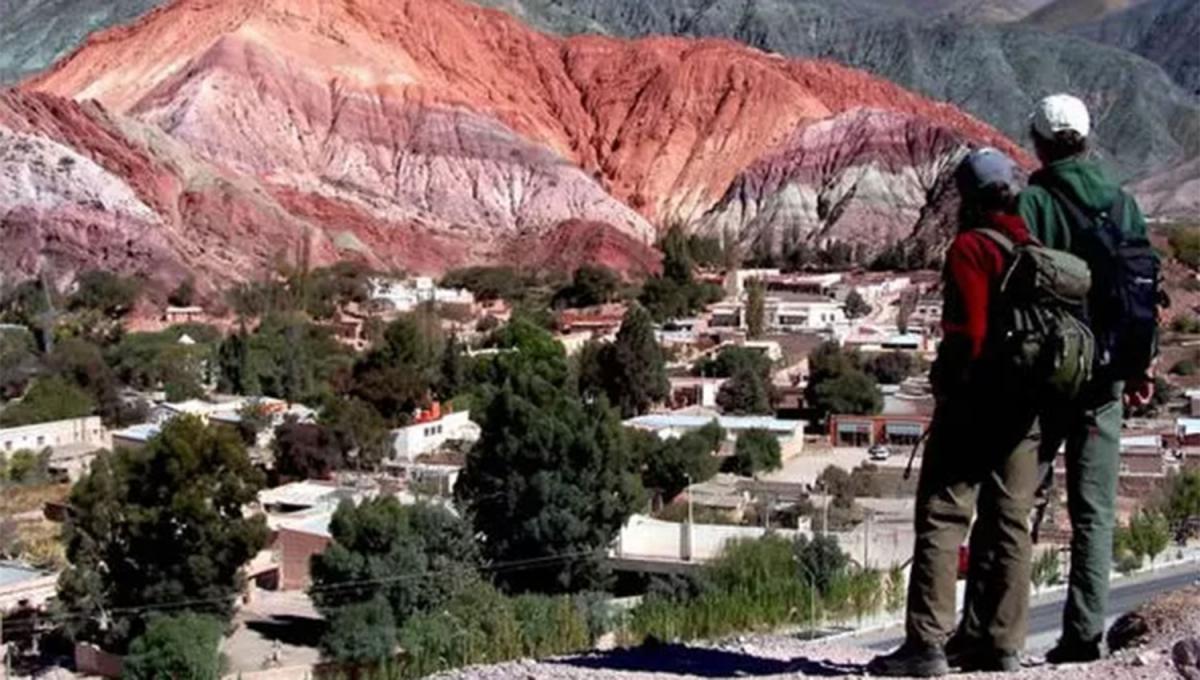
{"x": 974, "y": 265}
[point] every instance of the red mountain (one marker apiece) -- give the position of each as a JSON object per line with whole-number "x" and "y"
{"x": 421, "y": 134}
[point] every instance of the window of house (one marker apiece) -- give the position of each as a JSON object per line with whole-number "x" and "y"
{"x": 41, "y": 440}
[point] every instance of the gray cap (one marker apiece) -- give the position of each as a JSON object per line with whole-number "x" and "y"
{"x": 985, "y": 167}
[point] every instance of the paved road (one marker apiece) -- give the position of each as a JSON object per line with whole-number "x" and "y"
{"x": 1045, "y": 616}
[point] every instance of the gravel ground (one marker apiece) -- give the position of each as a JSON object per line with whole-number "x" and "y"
{"x": 779, "y": 657}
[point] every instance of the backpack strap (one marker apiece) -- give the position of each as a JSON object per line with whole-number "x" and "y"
{"x": 1106, "y": 221}
{"x": 1006, "y": 244}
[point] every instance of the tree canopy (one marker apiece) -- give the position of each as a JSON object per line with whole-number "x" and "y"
{"x": 551, "y": 477}
{"x": 182, "y": 647}
{"x": 756, "y": 451}
{"x": 156, "y": 525}
{"x": 669, "y": 464}
{"x": 837, "y": 383}
{"x": 306, "y": 451}
{"x": 47, "y": 399}
{"x": 354, "y": 579}
{"x": 105, "y": 292}
{"x": 631, "y": 371}
{"x": 590, "y": 285}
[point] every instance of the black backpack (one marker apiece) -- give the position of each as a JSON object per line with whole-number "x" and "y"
{"x": 1126, "y": 285}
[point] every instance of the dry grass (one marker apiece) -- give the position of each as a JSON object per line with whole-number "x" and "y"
{"x": 21, "y": 499}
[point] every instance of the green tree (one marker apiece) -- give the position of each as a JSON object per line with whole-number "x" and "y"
{"x": 756, "y": 309}
{"x": 677, "y": 257}
{"x": 1180, "y": 503}
{"x": 361, "y": 633}
{"x": 1149, "y": 534}
{"x": 1185, "y": 245}
{"x": 756, "y": 451}
{"x": 821, "y": 559}
{"x": 453, "y": 369}
{"x": 161, "y": 524}
{"x": 19, "y": 362}
{"x": 669, "y": 464}
{"x": 48, "y": 399}
{"x": 634, "y": 370}
{"x": 590, "y": 285}
{"x": 28, "y": 467}
{"x": 105, "y": 292}
{"x": 550, "y": 477}
{"x": 891, "y": 368}
{"x": 181, "y": 647}
{"x": 286, "y": 357}
{"x": 373, "y": 542}
{"x": 396, "y": 377}
{"x": 184, "y": 294}
{"x": 853, "y": 392}
{"x": 746, "y": 392}
{"x": 730, "y": 360}
{"x": 856, "y": 306}
{"x": 306, "y": 451}
{"x": 360, "y": 432}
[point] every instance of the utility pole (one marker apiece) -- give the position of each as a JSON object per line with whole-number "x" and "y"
{"x": 691, "y": 529}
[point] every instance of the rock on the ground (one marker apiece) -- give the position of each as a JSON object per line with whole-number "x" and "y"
{"x": 1186, "y": 656}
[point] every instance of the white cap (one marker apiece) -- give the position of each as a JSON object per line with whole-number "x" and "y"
{"x": 1060, "y": 112}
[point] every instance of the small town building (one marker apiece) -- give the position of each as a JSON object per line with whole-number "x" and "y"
{"x": 599, "y": 321}
{"x": 669, "y": 425}
{"x": 25, "y": 587}
{"x": 406, "y": 295}
{"x": 430, "y": 431}
{"x": 903, "y": 422}
{"x": 180, "y": 315}
{"x": 690, "y": 390}
{"x": 73, "y": 444}
{"x": 135, "y": 436}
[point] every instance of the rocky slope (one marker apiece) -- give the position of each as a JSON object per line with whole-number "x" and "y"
{"x": 35, "y": 33}
{"x": 429, "y": 134}
{"x": 1144, "y": 121}
{"x": 1166, "y": 32}
{"x": 847, "y": 178}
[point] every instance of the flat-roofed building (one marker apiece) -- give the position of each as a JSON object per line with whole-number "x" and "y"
{"x": 670, "y": 425}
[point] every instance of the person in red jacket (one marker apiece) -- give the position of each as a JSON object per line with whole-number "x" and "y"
{"x": 981, "y": 458}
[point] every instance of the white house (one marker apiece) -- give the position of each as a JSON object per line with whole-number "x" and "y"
{"x": 670, "y": 425}
{"x": 430, "y": 433}
{"x": 72, "y": 443}
{"x": 406, "y": 295}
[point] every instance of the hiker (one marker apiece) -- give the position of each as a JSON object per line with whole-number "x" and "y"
{"x": 1070, "y": 205}
{"x": 979, "y": 451}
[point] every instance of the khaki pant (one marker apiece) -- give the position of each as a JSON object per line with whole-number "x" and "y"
{"x": 982, "y": 455}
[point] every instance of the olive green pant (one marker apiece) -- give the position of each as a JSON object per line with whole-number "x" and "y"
{"x": 982, "y": 455}
{"x": 1091, "y": 430}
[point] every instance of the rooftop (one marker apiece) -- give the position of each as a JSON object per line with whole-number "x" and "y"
{"x": 141, "y": 433}
{"x": 663, "y": 421}
{"x": 306, "y": 494}
{"x": 13, "y": 573}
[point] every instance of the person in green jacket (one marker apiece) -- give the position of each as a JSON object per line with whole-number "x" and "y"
{"x": 1089, "y": 427}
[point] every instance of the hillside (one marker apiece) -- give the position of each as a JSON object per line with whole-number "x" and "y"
{"x": 995, "y": 72}
{"x": 36, "y": 33}
{"x": 430, "y": 134}
{"x": 1064, "y": 14}
{"x": 1166, "y": 32}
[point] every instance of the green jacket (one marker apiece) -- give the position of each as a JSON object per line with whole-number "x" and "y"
{"x": 1087, "y": 183}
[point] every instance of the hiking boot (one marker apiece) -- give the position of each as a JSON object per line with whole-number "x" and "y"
{"x": 971, "y": 655}
{"x": 991, "y": 661}
{"x": 1073, "y": 651}
{"x": 911, "y": 660}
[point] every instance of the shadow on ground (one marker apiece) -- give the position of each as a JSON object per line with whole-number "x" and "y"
{"x": 298, "y": 631}
{"x": 706, "y": 663}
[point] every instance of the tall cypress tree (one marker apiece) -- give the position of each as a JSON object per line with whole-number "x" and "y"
{"x": 637, "y": 375}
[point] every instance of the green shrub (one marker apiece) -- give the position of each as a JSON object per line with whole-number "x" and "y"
{"x": 550, "y": 626}
{"x": 182, "y": 647}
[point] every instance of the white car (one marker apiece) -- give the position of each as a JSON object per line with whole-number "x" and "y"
{"x": 879, "y": 452}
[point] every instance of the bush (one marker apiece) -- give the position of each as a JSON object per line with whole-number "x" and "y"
{"x": 361, "y": 633}
{"x": 1184, "y": 367}
{"x": 757, "y": 451}
{"x": 753, "y": 585}
{"x": 183, "y": 647}
{"x": 550, "y": 626}
{"x": 48, "y": 399}
{"x": 1185, "y": 245}
{"x": 1186, "y": 323}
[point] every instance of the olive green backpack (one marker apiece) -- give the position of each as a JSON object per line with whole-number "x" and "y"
{"x": 1037, "y": 333}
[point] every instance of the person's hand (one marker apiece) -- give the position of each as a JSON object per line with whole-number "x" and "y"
{"x": 1139, "y": 391}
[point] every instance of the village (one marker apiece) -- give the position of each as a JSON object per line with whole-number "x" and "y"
{"x": 837, "y": 465}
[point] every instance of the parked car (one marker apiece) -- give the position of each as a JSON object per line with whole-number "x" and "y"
{"x": 879, "y": 452}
